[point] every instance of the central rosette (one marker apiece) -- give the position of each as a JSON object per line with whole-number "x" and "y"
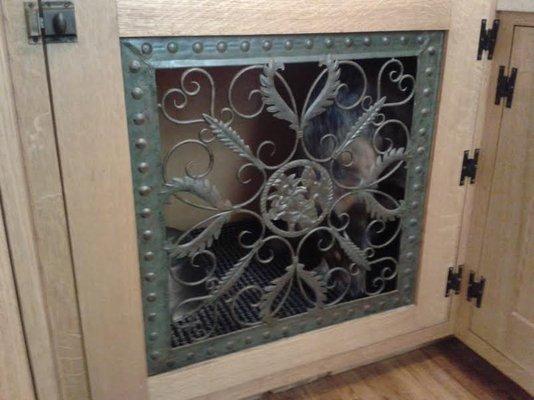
{"x": 296, "y": 198}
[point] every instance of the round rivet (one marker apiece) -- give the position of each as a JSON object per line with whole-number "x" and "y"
{"x": 135, "y": 66}
{"x": 152, "y": 316}
{"x": 146, "y": 48}
{"x": 308, "y": 43}
{"x": 248, "y": 340}
{"x": 409, "y": 255}
{"x": 190, "y": 356}
{"x": 407, "y": 286}
{"x": 408, "y": 270}
{"x": 350, "y": 312}
{"x": 366, "y": 307}
{"x": 367, "y": 41}
{"x": 139, "y": 118}
{"x": 426, "y": 91}
{"x": 420, "y": 39}
{"x": 221, "y": 47}
{"x": 419, "y": 169}
{"x": 431, "y": 50}
{"x": 415, "y": 204}
{"x": 319, "y": 320}
{"x": 385, "y": 40}
{"x": 209, "y": 350}
{"x": 171, "y": 364}
{"x": 348, "y": 42}
{"x": 428, "y": 71}
{"x": 381, "y": 305}
{"x": 420, "y": 149}
{"x": 140, "y": 143}
{"x": 198, "y": 47}
{"x": 267, "y": 45}
{"x": 155, "y": 355}
{"x": 230, "y": 345}
{"x": 245, "y": 46}
{"x": 266, "y": 335}
{"x": 413, "y": 222}
{"x": 424, "y": 111}
{"x": 328, "y": 42}
{"x": 142, "y": 167}
{"x": 411, "y": 238}
{"x": 146, "y": 212}
{"x": 285, "y": 331}
{"x": 151, "y": 297}
{"x": 335, "y": 315}
{"x": 147, "y": 235}
{"x": 150, "y": 276}
{"x": 149, "y": 256}
{"x": 153, "y": 335}
{"x": 172, "y": 47}
{"x": 288, "y": 45}
{"x": 145, "y": 190}
{"x": 403, "y": 40}
{"x": 416, "y": 186}
{"x": 137, "y": 93}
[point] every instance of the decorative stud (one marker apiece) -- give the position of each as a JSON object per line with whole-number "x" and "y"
{"x": 420, "y": 40}
{"x": 221, "y": 47}
{"x": 248, "y": 340}
{"x": 415, "y": 204}
{"x": 230, "y": 345}
{"x": 429, "y": 71}
{"x": 367, "y": 41}
{"x": 267, "y": 45}
{"x": 412, "y": 238}
{"x": 285, "y": 331}
{"x": 403, "y": 40}
{"x": 419, "y": 169}
{"x": 146, "y": 48}
{"x": 424, "y": 111}
{"x": 266, "y": 335}
{"x": 142, "y": 167}
{"x": 420, "y": 149}
{"x": 348, "y": 42}
{"x": 426, "y": 91}
{"x": 190, "y": 355}
{"x": 152, "y": 317}
{"x": 140, "y": 143}
{"x": 155, "y": 355}
{"x": 245, "y": 46}
{"x": 308, "y": 43}
{"x": 151, "y": 297}
{"x": 135, "y": 66}
{"x": 385, "y": 40}
{"x": 153, "y": 336}
{"x": 319, "y": 320}
{"x": 172, "y": 47}
{"x": 146, "y": 212}
{"x": 409, "y": 255}
{"x": 288, "y": 45}
{"x": 413, "y": 222}
{"x": 198, "y": 47}
{"x": 431, "y": 50}
{"x": 328, "y": 42}
{"x": 139, "y": 118}
{"x": 137, "y": 93}
{"x": 145, "y": 190}
{"x": 147, "y": 235}
{"x": 150, "y": 276}
{"x": 149, "y": 256}
{"x": 209, "y": 351}
{"x": 416, "y": 186}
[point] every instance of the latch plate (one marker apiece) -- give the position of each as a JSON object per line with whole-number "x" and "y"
{"x": 469, "y": 167}
{"x": 505, "y": 87}
{"x": 475, "y": 289}
{"x": 454, "y": 281}
{"x": 53, "y": 22}
{"x": 488, "y": 38}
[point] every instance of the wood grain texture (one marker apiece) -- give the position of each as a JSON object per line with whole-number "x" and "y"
{"x": 442, "y": 371}
{"x": 92, "y": 139}
{"x": 21, "y": 239}
{"x": 516, "y": 5}
{"x": 242, "y": 17}
{"x": 40, "y": 157}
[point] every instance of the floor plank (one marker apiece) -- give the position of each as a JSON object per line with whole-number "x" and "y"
{"x": 446, "y": 370}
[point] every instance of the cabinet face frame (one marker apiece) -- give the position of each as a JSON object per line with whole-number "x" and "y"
{"x": 91, "y": 132}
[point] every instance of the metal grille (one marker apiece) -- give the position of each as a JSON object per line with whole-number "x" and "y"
{"x": 329, "y": 138}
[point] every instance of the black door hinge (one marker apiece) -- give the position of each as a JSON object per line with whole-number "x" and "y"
{"x": 52, "y": 22}
{"x": 488, "y": 38}
{"x": 469, "y": 167}
{"x": 505, "y": 87}
{"x": 475, "y": 289}
{"x": 454, "y": 280}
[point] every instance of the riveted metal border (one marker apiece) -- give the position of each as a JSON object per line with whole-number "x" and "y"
{"x": 141, "y": 57}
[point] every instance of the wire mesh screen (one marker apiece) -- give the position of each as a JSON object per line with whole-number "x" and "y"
{"x": 279, "y": 182}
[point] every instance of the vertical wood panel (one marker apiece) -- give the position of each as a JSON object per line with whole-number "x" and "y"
{"x": 40, "y": 158}
{"x": 88, "y": 98}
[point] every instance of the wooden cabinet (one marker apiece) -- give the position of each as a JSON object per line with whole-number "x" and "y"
{"x": 77, "y": 183}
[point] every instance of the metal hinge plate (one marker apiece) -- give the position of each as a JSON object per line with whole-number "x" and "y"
{"x": 475, "y": 289}
{"x": 53, "y": 22}
{"x": 505, "y": 86}
{"x": 488, "y": 38}
{"x": 454, "y": 281}
{"x": 469, "y": 167}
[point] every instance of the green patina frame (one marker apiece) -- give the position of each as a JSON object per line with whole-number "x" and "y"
{"x": 141, "y": 57}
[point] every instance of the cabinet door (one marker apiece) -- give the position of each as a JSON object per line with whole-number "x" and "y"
{"x": 92, "y": 133}
{"x": 504, "y": 257}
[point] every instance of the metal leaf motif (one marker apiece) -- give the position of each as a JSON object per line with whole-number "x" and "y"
{"x": 231, "y": 139}
{"x": 201, "y": 188}
{"x": 233, "y": 274}
{"x": 377, "y": 210}
{"x": 202, "y": 241}
{"x": 383, "y": 161}
{"x": 356, "y": 130}
{"x": 328, "y": 93}
{"x": 274, "y": 101}
{"x": 273, "y": 290}
{"x": 355, "y": 254}
{"x": 314, "y": 282}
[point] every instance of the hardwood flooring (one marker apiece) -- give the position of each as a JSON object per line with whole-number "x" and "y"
{"x": 446, "y": 370}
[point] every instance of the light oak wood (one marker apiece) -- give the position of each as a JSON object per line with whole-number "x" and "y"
{"x": 242, "y": 17}
{"x": 40, "y": 157}
{"x": 21, "y": 239}
{"x": 516, "y": 5}
{"x": 88, "y": 98}
{"x": 478, "y": 247}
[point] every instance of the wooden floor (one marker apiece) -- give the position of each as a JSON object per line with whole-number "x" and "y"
{"x": 446, "y": 370}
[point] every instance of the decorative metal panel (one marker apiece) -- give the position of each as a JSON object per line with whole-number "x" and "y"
{"x": 279, "y": 182}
